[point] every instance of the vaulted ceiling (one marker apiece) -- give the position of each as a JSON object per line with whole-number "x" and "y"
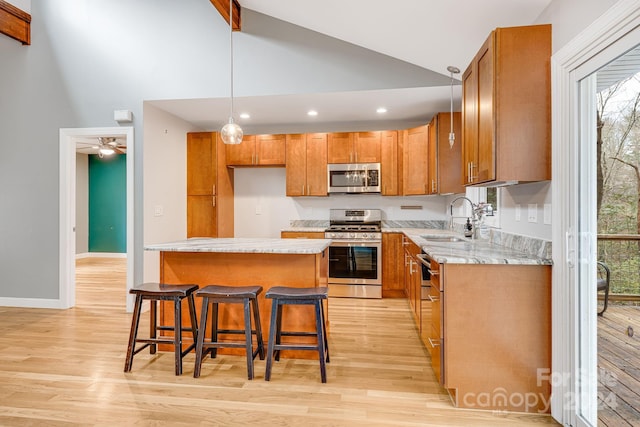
{"x": 431, "y": 34}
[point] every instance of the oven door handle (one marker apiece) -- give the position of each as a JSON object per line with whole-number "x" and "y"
{"x": 424, "y": 259}
{"x": 355, "y": 242}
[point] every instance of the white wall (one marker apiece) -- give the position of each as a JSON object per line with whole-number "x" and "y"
{"x": 82, "y": 203}
{"x": 262, "y": 208}
{"x": 165, "y": 177}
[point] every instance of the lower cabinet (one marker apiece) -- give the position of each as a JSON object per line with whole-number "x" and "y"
{"x": 495, "y": 333}
{"x": 302, "y": 234}
{"x": 392, "y": 265}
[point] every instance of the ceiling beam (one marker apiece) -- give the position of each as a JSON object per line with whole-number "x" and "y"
{"x": 15, "y": 23}
{"x": 223, "y": 8}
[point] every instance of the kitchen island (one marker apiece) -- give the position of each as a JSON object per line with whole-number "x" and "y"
{"x": 247, "y": 261}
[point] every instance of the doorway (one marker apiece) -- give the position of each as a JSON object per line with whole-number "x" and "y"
{"x": 69, "y": 139}
{"x": 574, "y": 358}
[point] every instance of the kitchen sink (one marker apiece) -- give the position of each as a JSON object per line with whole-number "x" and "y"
{"x": 446, "y": 239}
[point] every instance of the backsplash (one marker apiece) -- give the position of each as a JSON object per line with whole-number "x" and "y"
{"x": 530, "y": 245}
{"x": 388, "y": 223}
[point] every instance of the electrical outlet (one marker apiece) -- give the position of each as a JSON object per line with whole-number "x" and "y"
{"x": 532, "y": 214}
{"x": 158, "y": 210}
{"x": 517, "y": 212}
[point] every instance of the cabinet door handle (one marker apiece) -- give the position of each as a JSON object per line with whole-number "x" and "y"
{"x": 433, "y": 272}
{"x": 303, "y": 189}
{"x": 432, "y": 299}
{"x": 308, "y": 190}
{"x": 434, "y": 343}
{"x": 433, "y": 185}
{"x": 213, "y": 200}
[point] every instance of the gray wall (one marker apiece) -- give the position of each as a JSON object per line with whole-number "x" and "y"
{"x": 89, "y": 58}
{"x": 82, "y": 203}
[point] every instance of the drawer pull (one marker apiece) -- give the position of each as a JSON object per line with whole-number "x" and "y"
{"x": 434, "y": 343}
{"x": 433, "y": 272}
{"x": 432, "y": 299}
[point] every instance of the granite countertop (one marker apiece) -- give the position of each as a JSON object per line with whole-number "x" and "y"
{"x": 468, "y": 251}
{"x": 244, "y": 245}
{"x": 499, "y": 248}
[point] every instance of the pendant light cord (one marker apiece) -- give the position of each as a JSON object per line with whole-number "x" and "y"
{"x": 231, "y": 54}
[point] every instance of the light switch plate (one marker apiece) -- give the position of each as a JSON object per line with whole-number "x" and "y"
{"x": 532, "y": 214}
{"x": 547, "y": 213}
{"x": 158, "y": 210}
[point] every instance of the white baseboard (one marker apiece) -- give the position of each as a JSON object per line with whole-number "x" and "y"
{"x": 101, "y": 255}
{"x": 31, "y": 303}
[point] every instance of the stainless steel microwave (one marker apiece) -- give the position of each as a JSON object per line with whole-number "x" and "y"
{"x": 354, "y": 178}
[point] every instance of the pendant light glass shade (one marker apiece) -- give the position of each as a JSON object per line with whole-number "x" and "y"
{"x": 231, "y": 133}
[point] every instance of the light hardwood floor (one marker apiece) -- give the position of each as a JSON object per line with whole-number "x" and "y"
{"x": 65, "y": 367}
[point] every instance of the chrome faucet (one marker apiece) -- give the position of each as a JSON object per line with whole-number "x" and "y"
{"x": 475, "y": 209}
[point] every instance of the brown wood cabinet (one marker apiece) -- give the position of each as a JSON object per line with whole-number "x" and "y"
{"x": 302, "y": 234}
{"x": 412, "y": 278}
{"x": 496, "y": 316}
{"x": 445, "y": 161}
{"x": 389, "y": 166}
{"x": 354, "y": 147}
{"x": 257, "y": 150}
{"x": 209, "y": 187}
{"x": 392, "y": 265}
{"x": 415, "y": 161}
{"x": 306, "y": 163}
{"x": 506, "y": 108}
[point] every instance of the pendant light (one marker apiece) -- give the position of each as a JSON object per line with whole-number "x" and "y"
{"x": 452, "y": 136}
{"x": 231, "y": 133}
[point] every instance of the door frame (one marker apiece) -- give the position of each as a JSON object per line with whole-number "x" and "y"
{"x": 574, "y": 376}
{"x": 67, "y": 178}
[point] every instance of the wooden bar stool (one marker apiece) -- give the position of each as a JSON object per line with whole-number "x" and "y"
{"x": 214, "y": 295}
{"x": 284, "y": 295}
{"x": 154, "y": 292}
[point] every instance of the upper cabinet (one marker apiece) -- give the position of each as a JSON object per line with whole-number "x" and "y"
{"x": 209, "y": 187}
{"x": 257, "y": 150}
{"x": 506, "y": 108}
{"x": 354, "y": 147}
{"x": 389, "y": 166}
{"x": 415, "y": 161}
{"x": 445, "y": 160}
{"x": 306, "y": 164}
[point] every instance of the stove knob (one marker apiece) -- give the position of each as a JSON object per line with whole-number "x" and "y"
{"x": 365, "y": 236}
{"x": 352, "y": 235}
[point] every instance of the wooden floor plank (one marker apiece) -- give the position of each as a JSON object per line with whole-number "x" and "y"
{"x": 619, "y": 367}
{"x": 65, "y": 367}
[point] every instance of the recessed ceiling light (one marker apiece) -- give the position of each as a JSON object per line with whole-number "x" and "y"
{"x": 312, "y": 113}
{"x": 245, "y": 116}
{"x": 381, "y": 110}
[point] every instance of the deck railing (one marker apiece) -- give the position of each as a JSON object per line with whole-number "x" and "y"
{"x": 621, "y": 252}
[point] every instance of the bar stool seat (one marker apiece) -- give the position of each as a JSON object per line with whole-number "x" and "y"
{"x": 214, "y": 295}
{"x": 155, "y": 292}
{"x": 285, "y": 295}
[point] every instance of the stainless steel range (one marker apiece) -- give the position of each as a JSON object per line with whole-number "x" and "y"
{"x": 355, "y": 255}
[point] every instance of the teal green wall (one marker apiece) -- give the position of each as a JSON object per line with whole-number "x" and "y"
{"x": 108, "y": 203}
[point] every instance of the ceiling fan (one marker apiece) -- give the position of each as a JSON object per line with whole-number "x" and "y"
{"x": 106, "y": 146}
